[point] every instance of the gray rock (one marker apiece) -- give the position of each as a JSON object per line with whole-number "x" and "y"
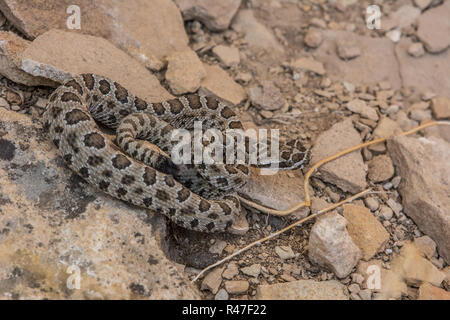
{"x": 256, "y": 34}
{"x": 267, "y": 97}
{"x": 215, "y": 15}
{"x": 331, "y": 246}
{"x": 372, "y": 203}
{"x": 284, "y": 252}
{"x": 423, "y": 166}
{"x": 368, "y": 68}
{"x": 347, "y": 172}
{"x": 253, "y": 271}
{"x": 222, "y": 294}
{"x": 434, "y": 28}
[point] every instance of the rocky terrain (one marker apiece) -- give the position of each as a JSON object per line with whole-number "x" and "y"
{"x": 312, "y": 69}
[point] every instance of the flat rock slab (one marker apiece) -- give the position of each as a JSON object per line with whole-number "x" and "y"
{"x": 218, "y": 83}
{"x": 376, "y": 63}
{"x": 12, "y": 48}
{"x": 257, "y": 35}
{"x": 58, "y": 55}
{"x": 347, "y": 172}
{"x": 428, "y": 72}
{"x": 425, "y": 188}
{"x": 280, "y": 191}
{"x": 54, "y": 224}
{"x": 302, "y": 290}
{"x": 147, "y": 30}
{"x": 215, "y": 15}
{"x": 366, "y": 231}
{"x": 434, "y": 28}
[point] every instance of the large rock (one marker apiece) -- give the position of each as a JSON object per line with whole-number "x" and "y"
{"x": 58, "y": 55}
{"x": 302, "y": 290}
{"x": 347, "y": 172}
{"x": 429, "y": 72}
{"x": 365, "y": 230}
{"x": 147, "y": 30}
{"x": 434, "y": 28}
{"x": 11, "y": 49}
{"x": 256, "y": 34}
{"x": 423, "y": 165}
{"x": 216, "y": 15}
{"x": 331, "y": 246}
{"x": 184, "y": 72}
{"x": 376, "y": 63}
{"x": 218, "y": 83}
{"x": 54, "y": 225}
{"x": 430, "y": 292}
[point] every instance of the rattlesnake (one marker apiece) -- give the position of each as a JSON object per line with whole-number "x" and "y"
{"x": 195, "y": 197}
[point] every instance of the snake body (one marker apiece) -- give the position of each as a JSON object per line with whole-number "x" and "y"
{"x": 195, "y": 197}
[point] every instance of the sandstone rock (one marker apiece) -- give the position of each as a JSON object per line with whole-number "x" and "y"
{"x": 313, "y": 38}
{"x": 77, "y": 54}
{"x": 253, "y": 271}
{"x": 309, "y": 64}
{"x": 302, "y": 290}
{"x": 430, "y": 292}
{"x": 366, "y": 231}
{"x": 331, "y": 246}
{"x": 231, "y": 271}
{"x": 281, "y": 191}
{"x": 428, "y": 72}
{"x": 347, "y": 172}
{"x": 415, "y": 269}
{"x": 416, "y": 50}
{"x": 55, "y": 224}
{"x": 11, "y": 49}
{"x": 348, "y": 51}
{"x": 236, "y": 286}
{"x": 368, "y": 68}
{"x": 256, "y": 34}
{"x": 386, "y": 127}
{"x": 184, "y": 72}
{"x": 229, "y": 56}
{"x": 423, "y": 165}
{"x": 360, "y": 107}
{"x": 215, "y": 15}
{"x": 422, "y": 4}
{"x": 372, "y": 203}
{"x": 213, "y": 280}
{"x": 218, "y": 247}
{"x": 434, "y": 28}
{"x": 267, "y": 97}
{"x": 420, "y": 115}
{"x": 441, "y": 108}
{"x": 394, "y": 35}
{"x": 380, "y": 168}
{"x": 146, "y": 30}
{"x": 284, "y": 252}
{"x": 403, "y": 17}
{"x": 426, "y": 245}
{"x": 386, "y": 213}
{"x": 218, "y": 83}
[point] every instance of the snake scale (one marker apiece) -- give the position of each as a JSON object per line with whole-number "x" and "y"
{"x": 198, "y": 197}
